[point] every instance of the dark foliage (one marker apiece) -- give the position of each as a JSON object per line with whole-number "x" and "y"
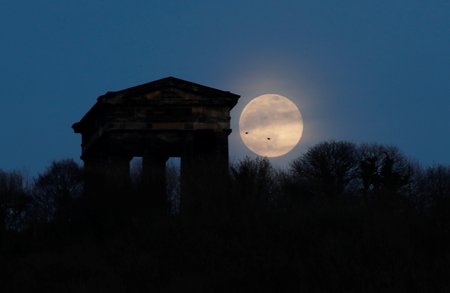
{"x": 55, "y": 191}
{"x": 13, "y": 201}
{"x": 327, "y": 169}
{"x": 343, "y": 218}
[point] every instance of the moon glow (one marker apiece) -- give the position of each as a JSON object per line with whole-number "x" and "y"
{"x": 271, "y": 125}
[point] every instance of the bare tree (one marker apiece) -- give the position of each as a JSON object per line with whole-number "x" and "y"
{"x": 173, "y": 187}
{"x": 433, "y": 190}
{"x": 13, "y": 200}
{"x": 253, "y": 182}
{"x": 55, "y": 189}
{"x": 383, "y": 170}
{"x": 136, "y": 173}
{"x": 327, "y": 168}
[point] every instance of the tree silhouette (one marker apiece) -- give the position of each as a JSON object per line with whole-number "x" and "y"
{"x": 173, "y": 187}
{"x": 13, "y": 201}
{"x": 55, "y": 190}
{"x": 434, "y": 191}
{"x": 253, "y": 179}
{"x": 339, "y": 220}
{"x": 327, "y": 169}
{"x": 383, "y": 171}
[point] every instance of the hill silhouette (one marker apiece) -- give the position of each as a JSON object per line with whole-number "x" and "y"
{"x": 343, "y": 218}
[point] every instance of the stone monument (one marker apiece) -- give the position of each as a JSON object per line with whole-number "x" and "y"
{"x": 165, "y": 118}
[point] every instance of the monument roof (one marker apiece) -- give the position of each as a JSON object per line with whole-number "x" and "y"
{"x": 165, "y": 90}
{"x": 167, "y": 82}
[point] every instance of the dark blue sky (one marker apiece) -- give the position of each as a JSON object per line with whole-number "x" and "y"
{"x": 363, "y": 71}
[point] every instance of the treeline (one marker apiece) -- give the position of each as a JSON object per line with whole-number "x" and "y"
{"x": 48, "y": 199}
{"x": 343, "y": 217}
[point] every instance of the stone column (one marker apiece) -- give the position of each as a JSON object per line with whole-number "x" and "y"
{"x": 107, "y": 188}
{"x": 220, "y": 152}
{"x": 94, "y": 175}
{"x": 118, "y": 174}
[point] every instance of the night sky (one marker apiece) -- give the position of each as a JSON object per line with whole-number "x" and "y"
{"x": 361, "y": 71}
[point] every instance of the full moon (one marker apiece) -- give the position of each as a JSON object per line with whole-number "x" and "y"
{"x": 271, "y": 125}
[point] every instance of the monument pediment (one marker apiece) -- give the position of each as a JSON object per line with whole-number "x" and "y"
{"x": 167, "y": 93}
{"x": 169, "y": 90}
